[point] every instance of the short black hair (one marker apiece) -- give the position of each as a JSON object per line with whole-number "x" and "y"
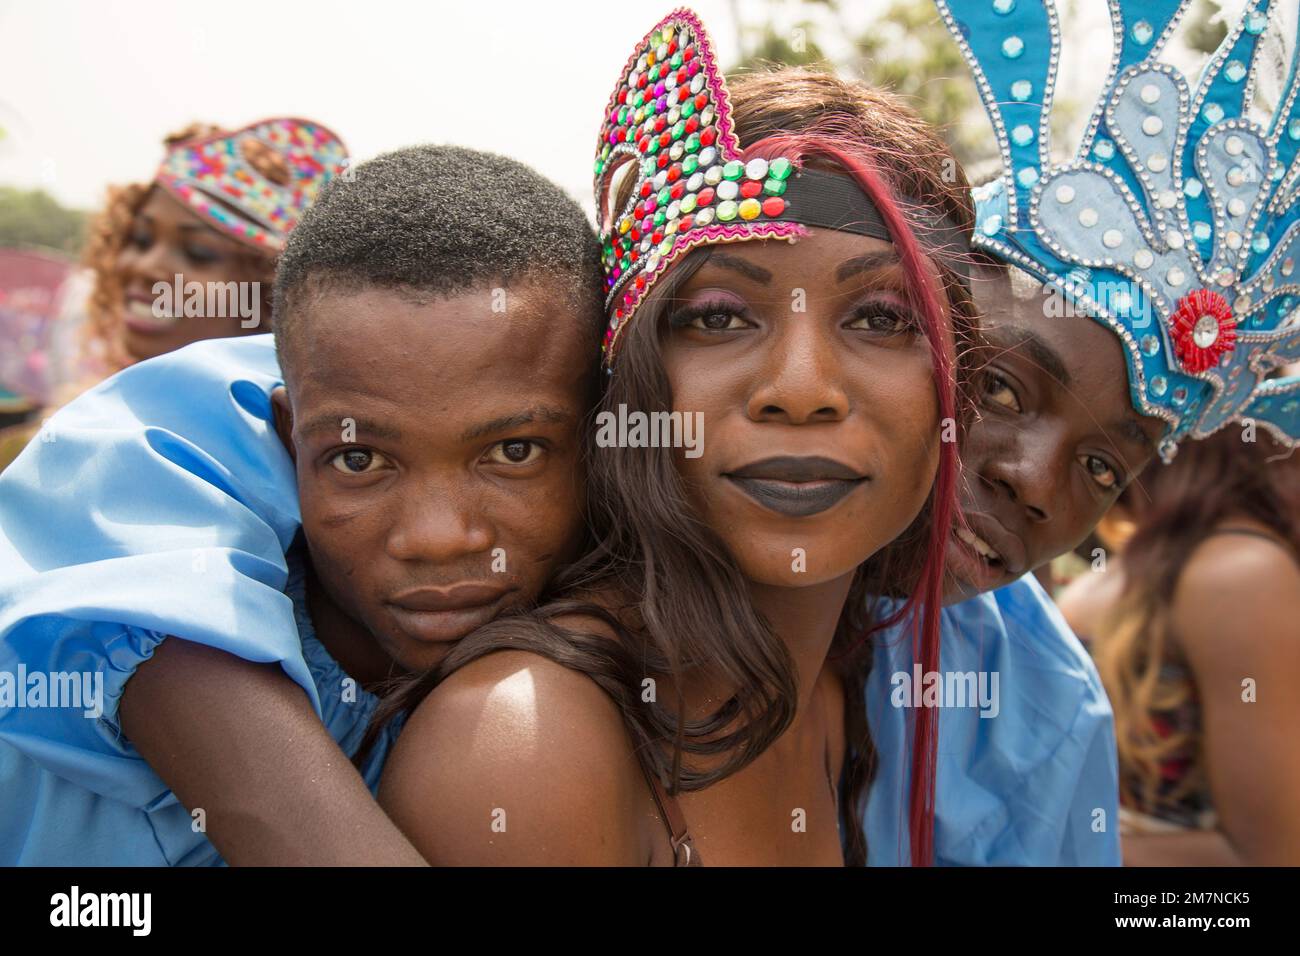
{"x": 438, "y": 221}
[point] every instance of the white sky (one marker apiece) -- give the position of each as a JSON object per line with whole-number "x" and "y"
{"x": 88, "y": 88}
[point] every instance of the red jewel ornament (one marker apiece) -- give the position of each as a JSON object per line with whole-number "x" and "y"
{"x": 1203, "y": 329}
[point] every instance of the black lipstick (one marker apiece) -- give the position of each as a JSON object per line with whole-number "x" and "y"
{"x": 796, "y": 487}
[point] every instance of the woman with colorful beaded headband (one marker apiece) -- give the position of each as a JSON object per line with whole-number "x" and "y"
{"x": 720, "y": 615}
{"x": 215, "y": 213}
{"x": 191, "y": 254}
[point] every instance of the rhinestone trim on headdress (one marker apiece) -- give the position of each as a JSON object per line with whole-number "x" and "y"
{"x": 1176, "y": 223}
{"x": 215, "y": 177}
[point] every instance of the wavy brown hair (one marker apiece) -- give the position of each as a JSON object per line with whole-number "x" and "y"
{"x": 661, "y": 580}
{"x": 109, "y": 232}
{"x": 1175, "y": 507}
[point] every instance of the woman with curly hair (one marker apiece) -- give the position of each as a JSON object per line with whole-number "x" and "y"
{"x": 190, "y": 255}
{"x": 209, "y": 215}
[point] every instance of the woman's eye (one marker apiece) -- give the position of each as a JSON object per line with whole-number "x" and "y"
{"x": 997, "y": 390}
{"x": 516, "y": 451}
{"x": 140, "y": 239}
{"x": 881, "y": 320}
{"x": 202, "y": 255}
{"x": 717, "y": 322}
{"x": 358, "y": 461}
{"x": 1100, "y": 472}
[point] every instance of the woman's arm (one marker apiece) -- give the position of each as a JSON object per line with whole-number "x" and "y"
{"x": 515, "y": 760}
{"x": 241, "y": 741}
{"x": 1190, "y": 848}
{"x": 1236, "y": 614}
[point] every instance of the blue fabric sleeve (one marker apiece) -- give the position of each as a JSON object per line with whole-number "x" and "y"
{"x": 159, "y": 503}
{"x": 1019, "y": 787}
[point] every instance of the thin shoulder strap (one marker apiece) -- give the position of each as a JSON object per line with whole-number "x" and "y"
{"x": 684, "y": 852}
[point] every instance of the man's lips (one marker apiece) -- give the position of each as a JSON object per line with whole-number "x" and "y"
{"x": 446, "y": 614}
{"x": 986, "y": 553}
{"x": 796, "y": 487}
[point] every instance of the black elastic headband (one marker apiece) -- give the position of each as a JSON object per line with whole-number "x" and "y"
{"x": 829, "y": 200}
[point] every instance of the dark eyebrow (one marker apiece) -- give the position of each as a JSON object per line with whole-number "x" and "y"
{"x": 1129, "y": 429}
{"x": 867, "y": 263}
{"x": 743, "y": 266}
{"x": 541, "y": 413}
{"x": 333, "y": 421}
{"x": 1043, "y": 354}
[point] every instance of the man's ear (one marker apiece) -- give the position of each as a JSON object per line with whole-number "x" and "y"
{"x": 283, "y": 420}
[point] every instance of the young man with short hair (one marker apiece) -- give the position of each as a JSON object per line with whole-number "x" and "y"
{"x": 438, "y": 318}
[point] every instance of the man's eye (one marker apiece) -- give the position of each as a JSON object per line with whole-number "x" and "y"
{"x": 516, "y": 451}
{"x": 882, "y": 319}
{"x": 1100, "y": 472}
{"x": 999, "y": 391}
{"x": 358, "y": 461}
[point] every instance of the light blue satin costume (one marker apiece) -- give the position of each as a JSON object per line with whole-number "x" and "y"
{"x": 165, "y": 504}
{"x": 1037, "y": 784}
{"x": 159, "y": 503}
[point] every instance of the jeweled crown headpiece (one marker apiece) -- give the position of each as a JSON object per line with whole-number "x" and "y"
{"x": 219, "y": 177}
{"x": 1175, "y": 222}
{"x": 670, "y": 174}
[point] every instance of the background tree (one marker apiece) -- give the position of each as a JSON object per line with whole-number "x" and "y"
{"x": 32, "y": 217}
{"x": 907, "y": 49}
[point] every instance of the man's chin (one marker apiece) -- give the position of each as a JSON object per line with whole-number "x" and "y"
{"x": 420, "y": 640}
{"x": 416, "y": 658}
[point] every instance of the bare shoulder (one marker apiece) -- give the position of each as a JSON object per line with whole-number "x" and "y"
{"x": 515, "y": 759}
{"x": 1238, "y": 595}
{"x": 1088, "y": 598}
